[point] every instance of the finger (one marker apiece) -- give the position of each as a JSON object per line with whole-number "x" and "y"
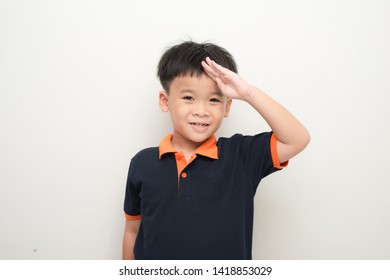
{"x": 209, "y": 71}
{"x": 207, "y": 68}
{"x": 222, "y": 71}
{"x": 211, "y": 63}
{"x": 218, "y": 70}
{"x": 210, "y": 68}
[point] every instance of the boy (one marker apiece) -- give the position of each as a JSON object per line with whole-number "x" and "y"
{"x": 192, "y": 197}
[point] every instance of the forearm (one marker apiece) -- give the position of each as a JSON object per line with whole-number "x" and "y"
{"x": 129, "y": 237}
{"x": 287, "y": 129}
{"x": 291, "y": 134}
{"x": 128, "y": 246}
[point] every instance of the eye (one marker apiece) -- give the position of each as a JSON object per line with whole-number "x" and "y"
{"x": 215, "y": 100}
{"x": 188, "y": 98}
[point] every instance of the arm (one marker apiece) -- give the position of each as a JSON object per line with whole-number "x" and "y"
{"x": 291, "y": 134}
{"x": 131, "y": 231}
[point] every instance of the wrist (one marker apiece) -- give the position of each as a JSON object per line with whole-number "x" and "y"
{"x": 250, "y": 94}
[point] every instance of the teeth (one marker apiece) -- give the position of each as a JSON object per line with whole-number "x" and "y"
{"x": 199, "y": 124}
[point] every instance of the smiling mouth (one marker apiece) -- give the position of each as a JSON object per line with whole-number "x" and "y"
{"x": 199, "y": 124}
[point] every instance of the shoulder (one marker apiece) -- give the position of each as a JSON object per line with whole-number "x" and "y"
{"x": 142, "y": 161}
{"x": 245, "y": 146}
{"x": 145, "y": 156}
{"x": 235, "y": 139}
{"x": 240, "y": 140}
{"x": 146, "y": 153}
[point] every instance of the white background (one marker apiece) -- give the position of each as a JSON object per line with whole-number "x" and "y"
{"x": 79, "y": 97}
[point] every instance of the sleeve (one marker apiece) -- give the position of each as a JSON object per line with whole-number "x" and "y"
{"x": 132, "y": 202}
{"x": 260, "y": 155}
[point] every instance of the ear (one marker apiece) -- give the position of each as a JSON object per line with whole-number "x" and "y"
{"x": 163, "y": 101}
{"x": 227, "y": 108}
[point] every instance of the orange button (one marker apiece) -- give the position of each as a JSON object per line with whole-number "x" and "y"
{"x": 184, "y": 175}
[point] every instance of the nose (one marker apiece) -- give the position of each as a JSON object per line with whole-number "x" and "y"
{"x": 201, "y": 109}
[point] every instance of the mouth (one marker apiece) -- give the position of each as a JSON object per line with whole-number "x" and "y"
{"x": 199, "y": 124}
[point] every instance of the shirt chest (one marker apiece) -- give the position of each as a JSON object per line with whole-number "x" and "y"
{"x": 203, "y": 182}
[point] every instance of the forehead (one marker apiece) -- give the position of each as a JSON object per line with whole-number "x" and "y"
{"x": 195, "y": 84}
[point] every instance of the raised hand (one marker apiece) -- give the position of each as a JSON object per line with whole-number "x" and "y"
{"x": 230, "y": 83}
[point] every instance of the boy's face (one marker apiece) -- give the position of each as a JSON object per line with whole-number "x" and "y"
{"x": 197, "y": 108}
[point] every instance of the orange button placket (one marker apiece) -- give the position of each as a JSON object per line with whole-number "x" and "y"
{"x": 182, "y": 163}
{"x": 208, "y": 149}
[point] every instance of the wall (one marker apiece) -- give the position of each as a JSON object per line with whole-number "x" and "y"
{"x": 78, "y": 98}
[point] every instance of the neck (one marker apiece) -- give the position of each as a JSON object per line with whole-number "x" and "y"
{"x": 185, "y": 146}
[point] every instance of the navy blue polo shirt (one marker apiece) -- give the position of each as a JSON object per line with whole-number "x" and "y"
{"x": 202, "y": 209}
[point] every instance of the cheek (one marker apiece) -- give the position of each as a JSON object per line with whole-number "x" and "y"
{"x": 178, "y": 112}
{"x": 219, "y": 112}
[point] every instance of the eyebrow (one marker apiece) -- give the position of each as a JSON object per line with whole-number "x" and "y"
{"x": 188, "y": 90}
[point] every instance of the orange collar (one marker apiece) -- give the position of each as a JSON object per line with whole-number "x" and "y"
{"x": 207, "y": 149}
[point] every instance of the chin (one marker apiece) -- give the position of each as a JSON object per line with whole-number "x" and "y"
{"x": 204, "y": 138}
{"x": 199, "y": 139}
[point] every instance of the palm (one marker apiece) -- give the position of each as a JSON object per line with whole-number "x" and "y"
{"x": 230, "y": 83}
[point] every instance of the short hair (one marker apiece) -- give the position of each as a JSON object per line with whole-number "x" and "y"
{"x": 185, "y": 59}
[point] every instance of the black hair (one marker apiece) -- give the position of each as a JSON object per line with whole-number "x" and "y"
{"x": 185, "y": 59}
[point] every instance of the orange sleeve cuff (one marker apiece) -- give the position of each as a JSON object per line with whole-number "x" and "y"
{"x": 132, "y": 218}
{"x": 274, "y": 154}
